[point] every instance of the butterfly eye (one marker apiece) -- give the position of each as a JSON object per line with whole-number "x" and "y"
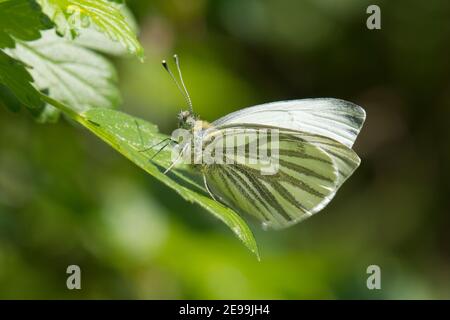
{"x": 183, "y": 115}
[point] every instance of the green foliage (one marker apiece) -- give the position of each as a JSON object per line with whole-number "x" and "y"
{"x": 8, "y": 99}
{"x": 94, "y": 39}
{"x": 17, "y": 79}
{"x": 72, "y": 74}
{"x": 21, "y": 19}
{"x": 72, "y": 16}
{"x": 67, "y": 199}
{"x": 82, "y": 84}
{"x": 130, "y": 136}
{"x": 60, "y": 67}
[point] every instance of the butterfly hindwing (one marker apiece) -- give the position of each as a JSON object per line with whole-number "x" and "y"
{"x": 345, "y": 159}
{"x": 306, "y": 180}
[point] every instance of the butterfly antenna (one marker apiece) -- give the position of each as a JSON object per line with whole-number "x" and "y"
{"x": 188, "y": 98}
{"x": 180, "y": 88}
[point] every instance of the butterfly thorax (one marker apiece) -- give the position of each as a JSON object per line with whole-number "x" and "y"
{"x": 198, "y": 129}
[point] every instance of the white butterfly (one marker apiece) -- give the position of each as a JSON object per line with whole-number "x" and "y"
{"x": 315, "y": 137}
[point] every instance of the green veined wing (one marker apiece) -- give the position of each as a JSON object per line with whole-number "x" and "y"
{"x": 345, "y": 159}
{"x": 307, "y": 179}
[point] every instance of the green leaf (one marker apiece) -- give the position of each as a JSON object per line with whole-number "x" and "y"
{"x": 21, "y": 19}
{"x": 15, "y": 77}
{"x": 72, "y": 16}
{"x": 130, "y": 136}
{"x": 71, "y": 74}
{"x": 93, "y": 39}
{"x": 8, "y": 99}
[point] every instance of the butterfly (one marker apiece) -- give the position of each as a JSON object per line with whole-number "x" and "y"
{"x": 314, "y": 156}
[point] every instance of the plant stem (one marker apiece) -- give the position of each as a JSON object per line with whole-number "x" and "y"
{"x": 62, "y": 107}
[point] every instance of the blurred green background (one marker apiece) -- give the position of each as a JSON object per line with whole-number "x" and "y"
{"x": 67, "y": 198}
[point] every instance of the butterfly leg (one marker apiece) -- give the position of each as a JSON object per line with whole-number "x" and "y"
{"x": 154, "y": 145}
{"x": 207, "y": 188}
{"x": 161, "y": 149}
{"x": 176, "y": 160}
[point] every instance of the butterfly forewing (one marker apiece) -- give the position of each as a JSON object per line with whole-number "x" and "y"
{"x": 337, "y": 119}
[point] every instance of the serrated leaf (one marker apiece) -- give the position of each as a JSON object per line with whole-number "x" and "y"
{"x": 71, "y": 74}
{"x": 21, "y": 19}
{"x": 72, "y": 16}
{"x": 130, "y": 136}
{"x": 15, "y": 77}
{"x": 8, "y": 99}
{"x": 93, "y": 39}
